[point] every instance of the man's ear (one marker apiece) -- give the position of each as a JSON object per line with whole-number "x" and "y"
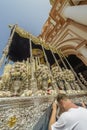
{"x": 61, "y": 102}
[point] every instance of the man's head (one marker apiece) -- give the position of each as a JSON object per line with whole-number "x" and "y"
{"x": 61, "y": 96}
{"x": 64, "y": 101}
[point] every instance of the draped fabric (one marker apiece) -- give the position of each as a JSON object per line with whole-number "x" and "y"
{"x": 44, "y": 120}
{"x": 19, "y": 49}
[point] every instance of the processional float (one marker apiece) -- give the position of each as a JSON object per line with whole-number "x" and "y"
{"x": 33, "y": 80}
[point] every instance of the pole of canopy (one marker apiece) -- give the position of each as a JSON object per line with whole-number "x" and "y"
{"x": 30, "y": 48}
{"x": 83, "y": 87}
{"x": 45, "y": 57}
{"x": 6, "y": 50}
{"x": 56, "y": 86}
{"x": 2, "y": 59}
{"x": 46, "y": 60}
{"x": 60, "y": 56}
{"x": 31, "y": 59}
{"x": 55, "y": 59}
{"x": 53, "y": 80}
{"x": 33, "y": 81}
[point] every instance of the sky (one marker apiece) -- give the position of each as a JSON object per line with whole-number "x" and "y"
{"x": 28, "y": 14}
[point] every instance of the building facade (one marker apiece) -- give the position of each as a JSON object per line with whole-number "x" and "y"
{"x": 66, "y": 29}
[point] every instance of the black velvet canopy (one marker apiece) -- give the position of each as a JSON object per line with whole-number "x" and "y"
{"x": 19, "y": 49}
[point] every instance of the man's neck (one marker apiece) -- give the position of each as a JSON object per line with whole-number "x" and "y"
{"x": 71, "y": 105}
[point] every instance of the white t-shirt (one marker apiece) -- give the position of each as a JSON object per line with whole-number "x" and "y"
{"x": 73, "y": 119}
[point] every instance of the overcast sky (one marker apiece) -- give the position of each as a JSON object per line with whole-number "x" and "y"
{"x": 28, "y": 14}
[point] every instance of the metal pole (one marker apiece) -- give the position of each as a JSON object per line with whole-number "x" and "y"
{"x": 6, "y": 50}
{"x": 55, "y": 60}
{"x": 45, "y": 57}
{"x": 62, "y": 60}
{"x": 83, "y": 87}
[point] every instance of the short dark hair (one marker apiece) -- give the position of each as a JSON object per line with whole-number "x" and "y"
{"x": 61, "y": 96}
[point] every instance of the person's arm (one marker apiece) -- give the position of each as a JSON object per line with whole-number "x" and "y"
{"x": 53, "y": 115}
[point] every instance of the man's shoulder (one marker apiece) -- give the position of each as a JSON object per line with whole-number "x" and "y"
{"x": 64, "y": 114}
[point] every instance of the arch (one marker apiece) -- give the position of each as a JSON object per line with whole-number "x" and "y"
{"x": 77, "y": 40}
{"x": 75, "y": 52}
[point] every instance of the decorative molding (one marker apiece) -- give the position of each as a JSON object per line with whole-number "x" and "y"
{"x": 81, "y": 44}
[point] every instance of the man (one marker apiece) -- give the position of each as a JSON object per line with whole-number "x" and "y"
{"x": 73, "y": 117}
